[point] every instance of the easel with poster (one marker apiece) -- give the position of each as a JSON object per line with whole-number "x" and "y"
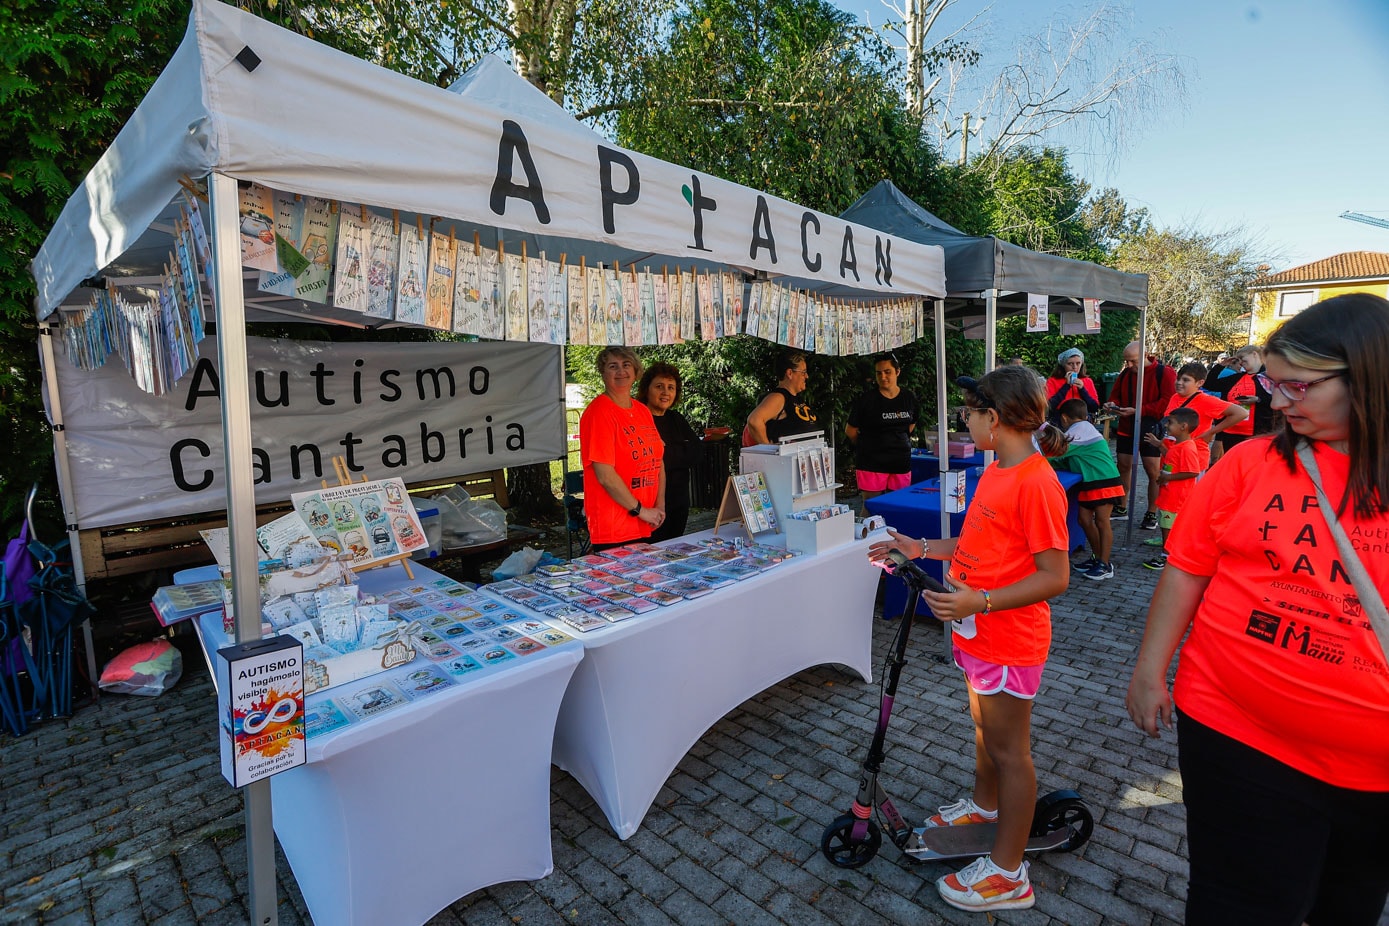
{"x": 373, "y": 520}
{"x": 748, "y": 501}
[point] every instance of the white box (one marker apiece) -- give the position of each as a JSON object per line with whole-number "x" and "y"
{"x": 813, "y": 537}
{"x": 260, "y": 705}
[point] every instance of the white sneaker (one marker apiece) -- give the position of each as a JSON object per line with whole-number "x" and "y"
{"x": 963, "y": 811}
{"x": 982, "y": 885}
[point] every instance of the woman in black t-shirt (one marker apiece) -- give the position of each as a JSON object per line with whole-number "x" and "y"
{"x": 880, "y": 427}
{"x": 783, "y": 411}
{"x": 659, "y": 390}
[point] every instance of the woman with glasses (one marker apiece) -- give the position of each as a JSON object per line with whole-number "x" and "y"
{"x": 880, "y": 428}
{"x": 783, "y": 411}
{"x": 622, "y": 453}
{"x": 1282, "y": 685}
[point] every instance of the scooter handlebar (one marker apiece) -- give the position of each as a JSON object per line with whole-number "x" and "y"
{"x": 912, "y": 573}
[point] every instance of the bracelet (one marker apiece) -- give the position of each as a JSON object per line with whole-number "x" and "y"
{"x": 988, "y": 603}
{"x": 925, "y": 548}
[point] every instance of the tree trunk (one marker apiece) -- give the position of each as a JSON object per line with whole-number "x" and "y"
{"x": 532, "y": 499}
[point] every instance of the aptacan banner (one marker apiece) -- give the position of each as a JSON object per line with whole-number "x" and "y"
{"x": 418, "y": 411}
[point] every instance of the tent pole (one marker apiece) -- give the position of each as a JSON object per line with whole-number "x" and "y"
{"x": 241, "y": 509}
{"x": 60, "y": 456}
{"x": 1139, "y": 375}
{"x": 942, "y": 451}
{"x": 990, "y": 343}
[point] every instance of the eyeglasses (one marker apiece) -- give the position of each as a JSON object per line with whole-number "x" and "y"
{"x": 1292, "y": 390}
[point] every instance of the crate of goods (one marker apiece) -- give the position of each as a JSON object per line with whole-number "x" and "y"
{"x": 818, "y": 530}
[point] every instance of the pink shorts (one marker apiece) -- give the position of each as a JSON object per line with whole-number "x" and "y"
{"x": 882, "y": 482}
{"x": 985, "y": 678}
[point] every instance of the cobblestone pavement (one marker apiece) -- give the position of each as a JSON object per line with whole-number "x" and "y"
{"x": 120, "y": 815}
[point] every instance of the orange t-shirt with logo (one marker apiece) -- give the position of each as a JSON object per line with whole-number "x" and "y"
{"x": 1207, "y": 408}
{"x": 625, "y": 439}
{"x": 1185, "y": 457}
{"x": 1016, "y": 513}
{"x": 1281, "y": 655}
{"x": 1242, "y": 389}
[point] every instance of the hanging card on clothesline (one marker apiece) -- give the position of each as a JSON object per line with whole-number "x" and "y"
{"x": 595, "y": 302}
{"x": 537, "y": 290}
{"x": 631, "y": 307}
{"x": 612, "y": 299}
{"x": 467, "y": 285}
{"x": 1037, "y": 312}
{"x": 575, "y": 292}
{"x": 257, "y": 211}
{"x": 1091, "y": 308}
{"x": 665, "y": 328}
{"x": 383, "y": 258}
{"x": 411, "y": 269}
{"x": 438, "y": 287}
{"x": 290, "y": 261}
{"x": 320, "y": 233}
{"x": 688, "y": 311}
{"x": 557, "y": 305}
{"x": 646, "y": 289}
{"x": 514, "y": 285}
{"x": 350, "y": 276}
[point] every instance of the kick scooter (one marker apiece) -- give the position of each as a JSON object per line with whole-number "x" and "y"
{"x": 1061, "y": 821}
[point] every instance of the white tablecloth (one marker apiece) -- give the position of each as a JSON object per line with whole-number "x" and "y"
{"x": 649, "y": 688}
{"x": 396, "y": 817}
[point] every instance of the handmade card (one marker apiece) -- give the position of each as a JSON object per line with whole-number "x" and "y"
{"x": 257, "y": 211}
{"x": 439, "y": 284}
{"x": 382, "y": 261}
{"x": 411, "y": 268}
{"x": 350, "y": 290}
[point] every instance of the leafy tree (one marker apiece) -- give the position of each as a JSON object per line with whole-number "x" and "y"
{"x": 1197, "y": 286}
{"x": 71, "y": 73}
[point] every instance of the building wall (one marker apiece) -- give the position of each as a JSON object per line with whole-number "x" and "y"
{"x": 1265, "y": 317}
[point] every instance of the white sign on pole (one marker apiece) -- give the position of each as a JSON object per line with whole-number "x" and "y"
{"x": 417, "y": 411}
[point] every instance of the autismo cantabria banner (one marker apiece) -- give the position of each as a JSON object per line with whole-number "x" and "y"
{"x": 418, "y": 411}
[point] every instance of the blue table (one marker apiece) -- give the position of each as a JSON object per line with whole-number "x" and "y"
{"x": 926, "y": 465}
{"x": 915, "y": 511}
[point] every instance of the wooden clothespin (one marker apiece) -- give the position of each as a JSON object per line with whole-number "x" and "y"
{"x": 366, "y": 218}
{"x": 523, "y": 250}
{"x": 419, "y": 226}
{"x": 191, "y": 188}
{"x": 395, "y": 220}
{"x": 453, "y": 239}
{"x": 332, "y": 207}
{"x": 501, "y": 250}
{"x": 298, "y": 197}
{"x": 561, "y": 260}
{"x": 477, "y": 244}
{"x": 583, "y": 263}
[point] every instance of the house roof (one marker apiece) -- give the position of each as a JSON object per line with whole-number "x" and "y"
{"x": 1352, "y": 265}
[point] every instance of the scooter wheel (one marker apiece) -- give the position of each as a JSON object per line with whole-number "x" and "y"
{"x": 839, "y": 847}
{"x": 1063, "y": 810}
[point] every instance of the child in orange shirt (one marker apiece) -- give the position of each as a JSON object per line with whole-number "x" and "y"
{"x": 1010, "y": 557}
{"x": 1182, "y": 463}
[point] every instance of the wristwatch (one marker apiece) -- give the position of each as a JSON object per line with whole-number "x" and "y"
{"x": 635, "y": 512}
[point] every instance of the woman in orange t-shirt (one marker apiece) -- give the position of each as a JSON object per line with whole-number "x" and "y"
{"x": 1009, "y": 559}
{"x": 1283, "y": 685}
{"x": 622, "y": 454}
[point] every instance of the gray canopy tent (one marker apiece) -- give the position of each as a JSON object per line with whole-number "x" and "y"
{"x": 982, "y": 269}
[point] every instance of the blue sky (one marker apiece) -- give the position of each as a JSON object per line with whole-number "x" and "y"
{"x": 1286, "y": 124}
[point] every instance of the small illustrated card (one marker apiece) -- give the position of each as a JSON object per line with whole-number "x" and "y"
{"x": 257, "y": 210}
{"x": 1037, "y": 312}
{"x": 439, "y": 283}
{"x": 514, "y": 285}
{"x": 370, "y": 520}
{"x": 419, "y": 681}
{"x": 537, "y": 294}
{"x": 354, "y": 245}
{"x": 576, "y": 290}
{"x": 817, "y": 469}
{"x": 320, "y": 241}
{"x": 412, "y": 265}
{"x": 1092, "y": 314}
{"x": 383, "y": 258}
{"x": 377, "y": 698}
{"x": 323, "y": 715}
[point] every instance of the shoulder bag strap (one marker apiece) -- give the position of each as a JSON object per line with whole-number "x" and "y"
{"x": 1365, "y": 590}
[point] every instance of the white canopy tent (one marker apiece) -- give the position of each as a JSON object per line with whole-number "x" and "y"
{"x": 243, "y": 100}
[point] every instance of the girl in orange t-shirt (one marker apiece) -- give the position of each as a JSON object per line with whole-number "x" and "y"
{"x": 1009, "y": 559}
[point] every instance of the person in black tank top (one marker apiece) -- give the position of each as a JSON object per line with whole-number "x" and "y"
{"x": 783, "y": 411}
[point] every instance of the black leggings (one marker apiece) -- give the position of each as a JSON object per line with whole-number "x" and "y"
{"x": 1272, "y": 846}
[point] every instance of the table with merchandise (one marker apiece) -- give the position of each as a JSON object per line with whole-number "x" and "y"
{"x": 677, "y": 635}
{"x": 428, "y": 780}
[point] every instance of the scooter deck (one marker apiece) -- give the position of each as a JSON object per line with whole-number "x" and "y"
{"x": 942, "y": 842}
